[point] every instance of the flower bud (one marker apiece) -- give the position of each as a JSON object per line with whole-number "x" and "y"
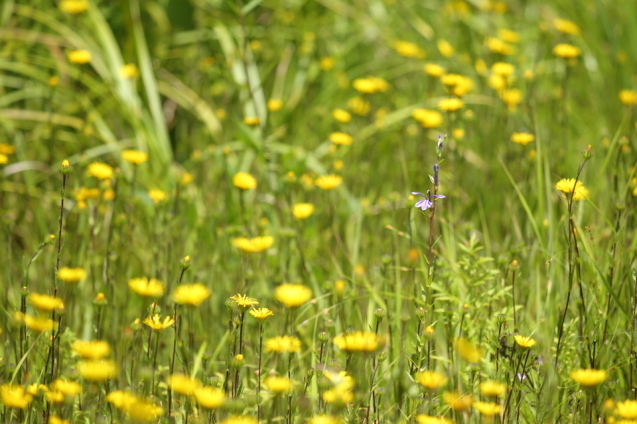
{"x": 65, "y": 168}
{"x": 380, "y": 314}
{"x": 436, "y": 169}
{"x": 185, "y": 263}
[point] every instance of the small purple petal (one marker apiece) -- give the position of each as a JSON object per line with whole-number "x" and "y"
{"x": 438, "y": 195}
{"x": 424, "y": 204}
{"x": 417, "y": 192}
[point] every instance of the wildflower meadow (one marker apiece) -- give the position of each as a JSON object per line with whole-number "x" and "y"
{"x": 318, "y": 211}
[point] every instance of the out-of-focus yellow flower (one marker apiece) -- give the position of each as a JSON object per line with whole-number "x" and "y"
{"x": 508, "y": 36}
{"x": 191, "y": 294}
{"x": 54, "y": 419}
{"x": 342, "y": 392}
{"x": 488, "y": 409}
{"x": 261, "y": 313}
{"x": 149, "y": 287}
{"x": 360, "y": 341}
{"x": 325, "y": 419}
{"x": 450, "y": 105}
{"x": 253, "y": 245}
{"x": 71, "y": 275}
{"x": 98, "y": 370}
{"x": 498, "y": 46}
{"x": 244, "y": 181}
{"x": 370, "y": 85}
{"x": 467, "y": 350}
{"x": 278, "y": 384}
{"x": 327, "y": 63}
{"x": 567, "y": 185}
{"x": 427, "y": 118}
{"x": 511, "y": 97}
{"x": 145, "y": 411}
{"x": 67, "y": 388}
{"x": 275, "y": 105}
{"x": 431, "y": 379}
{"x": 157, "y": 195}
{"x": 341, "y": 138}
{"x": 74, "y": 7}
{"x": 589, "y": 377}
{"x": 128, "y": 71}
{"x": 626, "y": 409}
{"x": 445, "y": 48}
{"x": 99, "y": 170}
{"x": 303, "y": 210}
{"x": 7, "y": 149}
{"x": 292, "y": 295}
{"x": 252, "y": 120}
{"x": 627, "y": 97}
{"x": 93, "y": 349}
{"x": 522, "y": 138}
{"x": 157, "y": 324}
{"x": 524, "y": 342}
{"x": 565, "y": 26}
{"x": 458, "y": 133}
{"x": 134, "y": 156}
{"x": 456, "y": 401}
{"x": 121, "y": 399}
{"x": 14, "y": 396}
{"x": 341, "y": 115}
{"x": 35, "y": 323}
{"x": 492, "y": 388}
{"x": 328, "y": 182}
{"x": 240, "y": 419}
{"x": 359, "y": 106}
{"x": 407, "y": 49}
{"x": 503, "y": 69}
{"x": 79, "y": 57}
{"x": 434, "y": 70}
{"x": 428, "y": 419}
{"x": 183, "y": 384}
{"x": 566, "y": 51}
{"x": 45, "y": 302}
{"x": 209, "y": 397}
{"x": 282, "y": 344}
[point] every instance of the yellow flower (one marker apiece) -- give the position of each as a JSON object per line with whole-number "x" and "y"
{"x": 627, "y": 97}
{"x": 407, "y": 49}
{"x": 53, "y": 81}
{"x": 186, "y": 178}
{"x": 302, "y": 210}
{"x": 428, "y": 419}
{"x": 79, "y": 57}
{"x": 157, "y": 195}
{"x": 121, "y": 399}
{"x": 327, "y": 63}
{"x": 589, "y": 377}
{"x": 458, "y": 133}
{"x": 498, "y": 46}
{"x": 35, "y": 323}
{"x": 74, "y": 6}
{"x": 191, "y": 294}
{"x": 6, "y": 149}
{"x": 94, "y": 349}
{"x": 278, "y": 384}
{"x": 275, "y": 105}
{"x": 3, "y": 159}
{"x": 468, "y": 350}
{"x": 157, "y": 324}
{"x": 183, "y": 384}
{"x": 566, "y": 185}
{"x": 445, "y": 48}
{"x": 359, "y": 341}
{"x": 492, "y": 388}
{"x": 434, "y": 70}
{"x": 341, "y": 138}
{"x": 626, "y": 409}
{"x": 14, "y": 396}
{"x": 522, "y": 138}
{"x": 427, "y": 118}
{"x": 99, "y": 170}
{"x": 456, "y": 401}
{"x": 44, "y": 302}
{"x": 67, "y": 388}
{"x": 450, "y": 105}
{"x": 567, "y": 27}
{"x": 209, "y": 397}
{"x": 281, "y": 344}
{"x": 431, "y": 379}
{"x": 508, "y": 36}
{"x": 292, "y": 295}
{"x": 261, "y": 313}
{"x": 511, "y": 97}
{"x": 134, "y": 156}
{"x": 252, "y": 120}
{"x": 341, "y": 115}
{"x": 34, "y": 389}
{"x": 57, "y": 420}
{"x": 370, "y": 85}
{"x": 240, "y": 419}
{"x": 97, "y": 370}
{"x": 71, "y": 275}
{"x": 341, "y": 393}
{"x": 54, "y": 397}
{"x": 325, "y": 419}
{"x": 566, "y": 51}
{"x": 503, "y": 69}
{"x": 253, "y": 245}
{"x": 244, "y": 181}
{"x": 144, "y": 411}
{"x": 328, "y": 182}
{"x": 148, "y": 287}
{"x": 488, "y": 409}
{"x": 129, "y": 71}
{"x": 243, "y": 301}
{"x": 524, "y": 342}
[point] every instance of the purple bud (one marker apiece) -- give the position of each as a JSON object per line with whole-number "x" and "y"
{"x": 436, "y": 169}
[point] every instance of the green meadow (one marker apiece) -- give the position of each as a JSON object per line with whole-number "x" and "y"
{"x": 318, "y": 211}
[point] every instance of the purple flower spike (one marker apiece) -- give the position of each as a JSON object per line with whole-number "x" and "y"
{"x": 427, "y": 202}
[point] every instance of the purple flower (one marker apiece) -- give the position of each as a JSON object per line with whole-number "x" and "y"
{"x": 427, "y": 202}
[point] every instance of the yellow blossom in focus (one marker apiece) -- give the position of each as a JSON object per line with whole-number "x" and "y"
{"x": 456, "y": 401}
{"x": 407, "y": 49}
{"x": 129, "y": 71}
{"x": 341, "y": 115}
{"x": 97, "y": 370}
{"x": 261, "y": 313}
{"x": 275, "y": 105}
{"x": 99, "y": 170}
{"x": 589, "y": 377}
{"x": 244, "y": 181}
{"x": 243, "y": 301}
{"x": 253, "y": 245}
{"x": 327, "y": 63}
{"x": 191, "y": 294}
{"x": 626, "y": 409}
{"x": 360, "y": 341}
{"x": 157, "y": 324}
{"x": 37, "y": 324}
{"x": 434, "y": 70}
{"x": 445, "y": 48}
{"x": 492, "y": 388}
{"x": 524, "y": 342}
{"x": 467, "y": 350}
{"x": 431, "y": 379}
{"x": 303, "y": 210}
{"x": 148, "y": 287}
{"x": 79, "y": 57}
{"x": 328, "y": 182}
{"x": 488, "y": 409}
{"x": 134, "y": 156}
{"x": 428, "y": 419}
{"x": 6, "y": 149}
{"x": 282, "y": 344}
{"x": 14, "y": 396}
{"x": 209, "y": 397}
{"x": 252, "y": 120}
{"x": 278, "y": 384}
{"x": 566, "y": 51}
{"x": 522, "y": 138}
{"x": 71, "y": 275}
{"x": 183, "y": 384}
{"x": 74, "y": 7}
{"x": 450, "y": 105}
{"x": 427, "y": 118}
{"x": 567, "y": 185}
{"x": 44, "y": 302}
{"x": 94, "y": 349}
{"x": 341, "y": 138}
{"x": 627, "y": 97}
{"x": 567, "y": 27}
{"x": 292, "y": 295}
